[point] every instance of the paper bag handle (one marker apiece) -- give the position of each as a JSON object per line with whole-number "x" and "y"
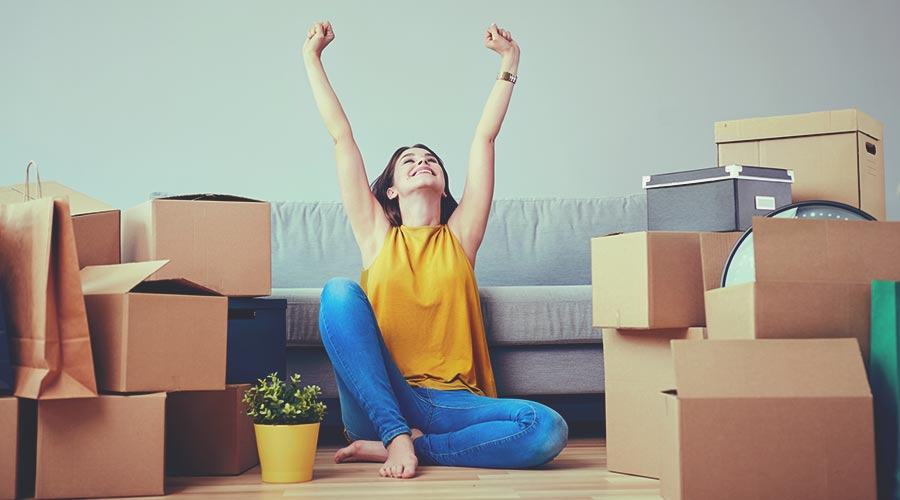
{"x": 37, "y": 173}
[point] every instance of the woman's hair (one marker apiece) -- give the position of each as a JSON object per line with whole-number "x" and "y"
{"x": 386, "y": 179}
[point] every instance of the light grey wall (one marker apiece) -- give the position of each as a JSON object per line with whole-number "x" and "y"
{"x": 121, "y": 98}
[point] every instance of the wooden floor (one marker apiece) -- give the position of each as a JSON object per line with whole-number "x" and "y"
{"x": 578, "y": 472}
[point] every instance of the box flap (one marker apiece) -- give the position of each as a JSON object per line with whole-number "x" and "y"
{"x": 208, "y": 197}
{"x": 714, "y": 251}
{"x": 795, "y": 368}
{"x": 823, "y": 122}
{"x": 79, "y": 203}
{"x": 174, "y": 286}
{"x": 825, "y": 251}
{"x": 117, "y": 278}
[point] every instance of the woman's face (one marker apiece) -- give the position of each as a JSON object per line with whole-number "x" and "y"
{"x": 416, "y": 168}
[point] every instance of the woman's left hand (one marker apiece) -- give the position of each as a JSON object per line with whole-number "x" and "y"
{"x": 500, "y": 40}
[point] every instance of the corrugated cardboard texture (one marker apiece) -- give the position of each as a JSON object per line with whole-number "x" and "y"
{"x": 223, "y": 245}
{"x": 812, "y": 281}
{"x": 101, "y": 447}
{"x": 209, "y": 433}
{"x": 818, "y": 123}
{"x": 9, "y": 445}
{"x": 714, "y": 251}
{"x": 97, "y": 238}
{"x": 637, "y": 366}
{"x": 790, "y": 310}
{"x": 793, "y": 369}
{"x": 647, "y": 280}
{"x": 834, "y": 155}
{"x": 79, "y": 203}
{"x": 154, "y": 340}
{"x": 96, "y": 223}
{"x": 771, "y": 419}
{"x": 826, "y": 251}
{"x": 670, "y": 460}
{"x": 118, "y": 278}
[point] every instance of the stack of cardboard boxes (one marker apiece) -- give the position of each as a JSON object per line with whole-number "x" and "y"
{"x": 159, "y": 326}
{"x": 770, "y": 399}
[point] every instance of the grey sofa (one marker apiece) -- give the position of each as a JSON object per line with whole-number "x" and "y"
{"x": 534, "y": 276}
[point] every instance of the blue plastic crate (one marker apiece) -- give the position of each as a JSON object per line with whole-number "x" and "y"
{"x": 256, "y": 339}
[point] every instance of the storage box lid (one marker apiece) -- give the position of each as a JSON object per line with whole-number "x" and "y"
{"x": 728, "y": 172}
{"x": 124, "y": 278}
{"x": 825, "y": 250}
{"x": 256, "y": 303}
{"x": 795, "y": 368}
{"x": 79, "y": 203}
{"x": 773, "y": 127}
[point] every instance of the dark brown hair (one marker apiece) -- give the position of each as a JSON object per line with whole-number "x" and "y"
{"x": 386, "y": 179}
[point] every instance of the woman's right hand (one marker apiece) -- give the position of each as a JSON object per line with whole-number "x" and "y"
{"x": 318, "y": 37}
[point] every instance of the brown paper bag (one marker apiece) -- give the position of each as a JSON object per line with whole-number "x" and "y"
{"x": 51, "y": 348}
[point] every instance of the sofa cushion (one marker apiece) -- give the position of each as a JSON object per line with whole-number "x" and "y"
{"x": 513, "y": 315}
{"x": 518, "y": 370}
{"x": 528, "y": 241}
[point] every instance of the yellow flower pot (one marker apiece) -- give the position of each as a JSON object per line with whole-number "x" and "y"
{"x": 286, "y": 452}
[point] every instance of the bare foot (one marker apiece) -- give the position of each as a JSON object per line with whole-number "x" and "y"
{"x": 401, "y": 461}
{"x": 366, "y": 451}
{"x": 361, "y": 451}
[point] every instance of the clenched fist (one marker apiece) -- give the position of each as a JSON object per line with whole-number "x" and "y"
{"x": 318, "y": 37}
{"x": 499, "y": 40}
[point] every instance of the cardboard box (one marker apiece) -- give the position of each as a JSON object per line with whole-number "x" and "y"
{"x": 647, "y": 280}
{"x": 812, "y": 281}
{"x": 835, "y": 155}
{"x": 101, "y": 447}
{"x": 96, "y": 223}
{"x": 221, "y": 242}
{"x": 637, "y": 367}
{"x": 714, "y": 251}
{"x": 208, "y": 433}
{"x": 754, "y": 419}
{"x": 9, "y": 446}
{"x": 164, "y": 335}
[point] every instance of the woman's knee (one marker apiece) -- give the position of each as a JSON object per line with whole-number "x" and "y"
{"x": 338, "y": 297}
{"x": 551, "y": 436}
{"x": 339, "y": 289}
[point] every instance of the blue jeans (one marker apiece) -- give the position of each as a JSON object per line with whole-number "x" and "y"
{"x": 460, "y": 427}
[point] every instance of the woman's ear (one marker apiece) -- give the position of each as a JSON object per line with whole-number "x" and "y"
{"x": 390, "y": 193}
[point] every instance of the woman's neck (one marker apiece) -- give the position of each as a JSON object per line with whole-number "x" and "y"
{"x": 419, "y": 210}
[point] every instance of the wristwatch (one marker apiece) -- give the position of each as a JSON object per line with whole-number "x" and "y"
{"x": 506, "y": 75}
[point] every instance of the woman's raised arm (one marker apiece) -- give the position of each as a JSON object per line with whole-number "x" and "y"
{"x": 363, "y": 210}
{"x": 471, "y": 216}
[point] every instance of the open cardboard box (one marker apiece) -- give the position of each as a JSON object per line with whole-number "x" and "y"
{"x": 96, "y": 224}
{"x": 835, "y": 155}
{"x": 219, "y": 241}
{"x": 753, "y": 419}
{"x": 637, "y": 365}
{"x": 812, "y": 281}
{"x": 163, "y": 335}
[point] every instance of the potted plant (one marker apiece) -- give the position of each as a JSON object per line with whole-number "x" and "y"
{"x": 286, "y": 419}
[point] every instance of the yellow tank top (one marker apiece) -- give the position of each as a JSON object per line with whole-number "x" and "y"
{"x": 423, "y": 291}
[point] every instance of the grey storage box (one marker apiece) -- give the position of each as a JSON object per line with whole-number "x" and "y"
{"x": 715, "y": 199}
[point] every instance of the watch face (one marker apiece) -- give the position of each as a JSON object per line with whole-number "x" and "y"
{"x": 741, "y": 266}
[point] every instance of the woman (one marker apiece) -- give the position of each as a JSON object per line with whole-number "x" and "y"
{"x": 407, "y": 343}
